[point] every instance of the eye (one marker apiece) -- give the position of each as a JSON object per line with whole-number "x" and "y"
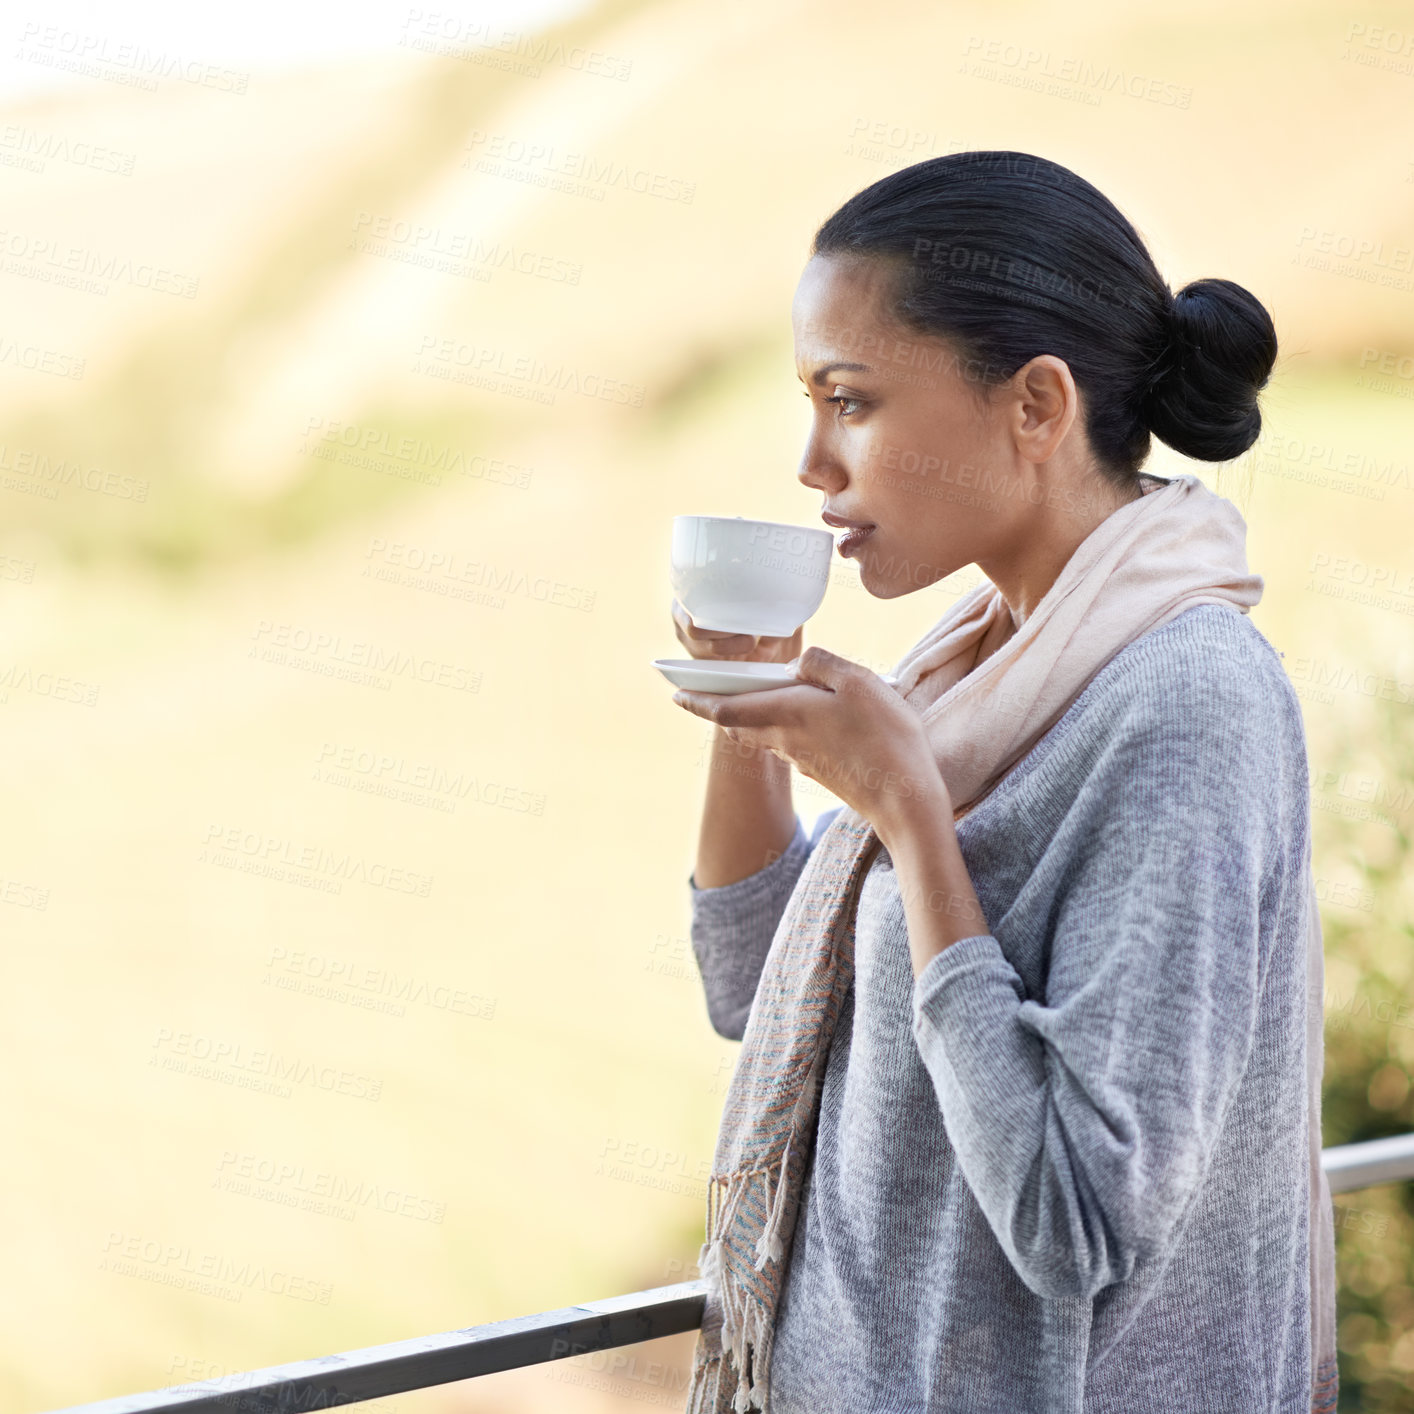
{"x": 840, "y": 399}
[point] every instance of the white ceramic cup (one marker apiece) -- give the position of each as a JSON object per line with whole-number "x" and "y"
{"x": 760, "y": 577}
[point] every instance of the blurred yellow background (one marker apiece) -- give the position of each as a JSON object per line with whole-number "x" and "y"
{"x": 344, "y": 407}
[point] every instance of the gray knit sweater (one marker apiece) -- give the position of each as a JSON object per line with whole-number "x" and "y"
{"x": 1066, "y": 1169}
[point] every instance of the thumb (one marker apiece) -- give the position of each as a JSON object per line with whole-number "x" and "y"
{"x": 821, "y": 668}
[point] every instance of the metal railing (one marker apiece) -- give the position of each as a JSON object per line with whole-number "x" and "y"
{"x": 378, "y": 1370}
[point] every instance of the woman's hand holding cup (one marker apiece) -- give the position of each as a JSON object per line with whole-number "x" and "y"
{"x": 735, "y": 647}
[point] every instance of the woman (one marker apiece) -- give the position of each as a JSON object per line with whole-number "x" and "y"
{"x": 1027, "y": 1111}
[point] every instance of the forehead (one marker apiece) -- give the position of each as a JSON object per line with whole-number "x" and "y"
{"x": 840, "y": 308}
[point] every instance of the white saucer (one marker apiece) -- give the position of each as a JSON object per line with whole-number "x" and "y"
{"x": 721, "y": 675}
{"x": 712, "y": 675}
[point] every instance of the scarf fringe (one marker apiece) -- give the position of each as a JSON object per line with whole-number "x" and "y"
{"x": 769, "y": 1246}
{"x": 747, "y": 1328}
{"x": 701, "y": 1397}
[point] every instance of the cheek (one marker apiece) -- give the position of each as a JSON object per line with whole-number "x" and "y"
{"x": 907, "y": 484}
{"x": 905, "y": 463}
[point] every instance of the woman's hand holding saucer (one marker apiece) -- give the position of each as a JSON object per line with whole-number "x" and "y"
{"x": 843, "y": 726}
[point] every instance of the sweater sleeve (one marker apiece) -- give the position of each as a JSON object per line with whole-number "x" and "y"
{"x": 1083, "y": 1119}
{"x": 732, "y": 928}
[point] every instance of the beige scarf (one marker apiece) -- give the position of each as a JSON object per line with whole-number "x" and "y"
{"x": 986, "y": 691}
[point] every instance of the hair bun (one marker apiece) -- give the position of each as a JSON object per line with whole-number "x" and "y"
{"x": 1221, "y": 346}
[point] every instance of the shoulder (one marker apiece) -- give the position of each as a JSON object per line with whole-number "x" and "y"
{"x": 1210, "y": 663}
{"x": 1191, "y": 732}
{"x": 1207, "y": 684}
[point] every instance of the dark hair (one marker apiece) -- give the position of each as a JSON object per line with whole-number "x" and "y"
{"x": 1004, "y": 256}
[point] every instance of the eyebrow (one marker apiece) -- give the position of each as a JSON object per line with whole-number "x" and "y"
{"x": 825, "y": 369}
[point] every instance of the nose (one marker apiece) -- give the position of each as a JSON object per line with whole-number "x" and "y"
{"x": 819, "y": 468}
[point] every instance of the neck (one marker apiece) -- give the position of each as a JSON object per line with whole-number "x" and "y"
{"x": 1045, "y": 541}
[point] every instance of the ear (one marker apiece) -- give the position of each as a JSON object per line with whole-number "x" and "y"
{"x": 1047, "y": 405}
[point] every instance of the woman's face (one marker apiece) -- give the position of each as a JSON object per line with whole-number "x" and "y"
{"x": 899, "y": 441}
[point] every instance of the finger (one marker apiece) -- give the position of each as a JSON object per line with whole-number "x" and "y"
{"x": 685, "y": 622}
{"x": 723, "y": 642}
{"x": 698, "y": 703}
{"x": 766, "y": 710}
{"x": 705, "y": 653}
{"x": 709, "y": 706}
{"x": 716, "y": 707}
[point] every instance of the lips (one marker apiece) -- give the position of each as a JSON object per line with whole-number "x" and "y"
{"x": 840, "y": 523}
{"x": 852, "y": 539}
{"x": 856, "y": 532}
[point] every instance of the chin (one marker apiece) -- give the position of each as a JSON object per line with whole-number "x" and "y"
{"x": 880, "y": 586}
{"x": 883, "y": 588}
{"x": 892, "y": 584}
